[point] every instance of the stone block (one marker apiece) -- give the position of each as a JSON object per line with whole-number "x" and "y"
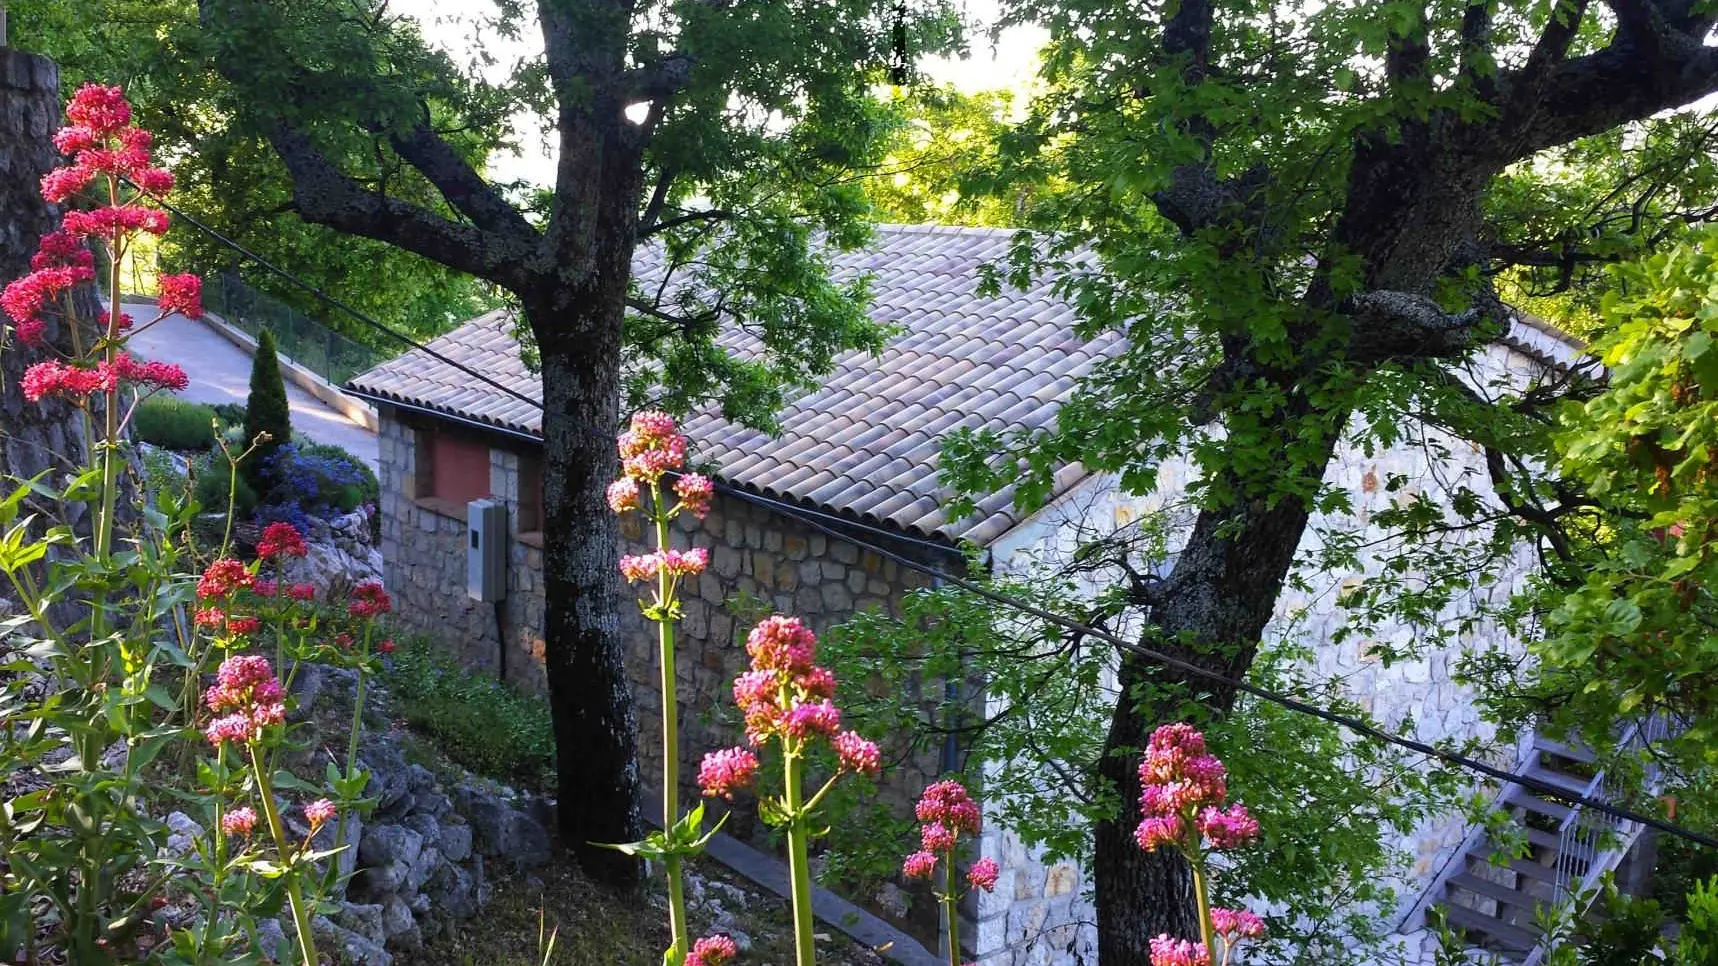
{"x": 836, "y": 599}
{"x": 725, "y": 560}
{"x": 833, "y": 571}
{"x": 794, "y": 546}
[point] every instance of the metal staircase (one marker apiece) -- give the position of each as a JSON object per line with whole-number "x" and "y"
{"x": 1496, "y": 905}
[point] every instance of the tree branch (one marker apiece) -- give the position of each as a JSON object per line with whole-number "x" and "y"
{"x": 1632, "y": 78}
{"x": 1390, "y": 325}
{"x": 458, "y": 182}
{"x": 324, "y": 194}
{"x": 711, "y": 214}
{"x": 663, "y": 79}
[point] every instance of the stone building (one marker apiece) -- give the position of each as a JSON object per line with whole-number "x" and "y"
{"x": 860, "y": 451}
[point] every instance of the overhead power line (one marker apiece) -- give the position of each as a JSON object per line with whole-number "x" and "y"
{"x": 848, "y": 529}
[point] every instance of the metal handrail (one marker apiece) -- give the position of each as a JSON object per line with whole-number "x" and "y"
{"x": 1587, "y": 843}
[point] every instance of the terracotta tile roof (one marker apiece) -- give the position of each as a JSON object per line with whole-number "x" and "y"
{"x": 865, "y": 443}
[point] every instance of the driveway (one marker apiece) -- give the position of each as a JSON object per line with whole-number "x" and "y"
{"x": 220, "y": 372}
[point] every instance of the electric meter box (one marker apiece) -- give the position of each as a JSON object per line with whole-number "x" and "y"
{"x": 486, "y": 550}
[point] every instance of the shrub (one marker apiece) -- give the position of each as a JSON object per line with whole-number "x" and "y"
{"x": 369, "y": 488}
{"x": 175, "y": 424}
{"x": 479, "y": 723}
{"x": 230, "y": 415}
{"x": 211, "y": 475}
{"x": 321, "y": 480}
{"x": 266, "y": 410}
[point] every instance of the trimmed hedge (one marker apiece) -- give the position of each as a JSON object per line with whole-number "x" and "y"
{"x": 175, "y": 424}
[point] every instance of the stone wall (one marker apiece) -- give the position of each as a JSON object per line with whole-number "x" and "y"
{"x": 1041, "y": 913}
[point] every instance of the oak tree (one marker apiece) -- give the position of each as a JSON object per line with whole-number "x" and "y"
{"x": 1308, "y": 218}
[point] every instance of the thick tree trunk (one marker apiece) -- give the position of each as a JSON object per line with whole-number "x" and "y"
{"x": 1225, "y": 590}
{"x": 34, "y": 437}
{"x": 1410, "y": 209}
{"x": 595, "y": 727}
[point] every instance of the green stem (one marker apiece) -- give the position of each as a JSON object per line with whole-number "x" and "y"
{"x": 351, "y": 765}
{"x": 950, "y": 901}
{"x": 799, "y": 864}
{"x": 294, "y": 892}
{"x": 679, "y": 935}
{"x": 1202, "y": 896}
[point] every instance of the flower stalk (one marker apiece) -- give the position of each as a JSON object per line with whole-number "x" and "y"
{"x": 650, "y": 448}
{"x": 787, "y": 700}
{"x": 1182, "y": 792}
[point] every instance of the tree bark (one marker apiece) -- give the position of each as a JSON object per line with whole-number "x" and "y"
{"x": 34, "y": 437}
{"x": 1410, "y": 207}
{"x": 577, "y": 326}
{"x": 1223, "y": 593}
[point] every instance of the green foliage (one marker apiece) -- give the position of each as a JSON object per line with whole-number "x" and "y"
{"x": 228, "y": 177}
{"x": 1320, "y": 797}
{"x": 1628, "y": 618}
{"x": 942, "y": 142}
{"x": 175, "y": 424}
{"x": 230, "y": 415}
{"x": 267, "y": 410}
{"x": 476, "y": 721}
{"x": 214, "y": 485}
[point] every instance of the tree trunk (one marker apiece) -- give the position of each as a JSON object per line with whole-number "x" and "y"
{"x": 595, "y": 727}
{"x": 36, "y": 437}
{"x": 1408, "y": 211}
{"x": 1224, "y": 592}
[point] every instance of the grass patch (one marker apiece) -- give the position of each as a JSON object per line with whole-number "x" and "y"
{"x": 595, "y": 928}
{"x": 477, "y": 722}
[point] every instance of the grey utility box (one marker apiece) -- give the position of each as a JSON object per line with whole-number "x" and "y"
{"x": 486, "y": 550}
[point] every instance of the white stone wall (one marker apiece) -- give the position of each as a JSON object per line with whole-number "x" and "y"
{"x": 1041, "y": 914}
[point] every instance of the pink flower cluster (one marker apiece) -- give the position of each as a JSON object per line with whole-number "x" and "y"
{"x": 1168, "y": 951}
{"x": 54, "y": 378}
{"x": 725, "y": 772}
{"x": 1235, "y": 925}
{"x": 651, "y": 446}
{"x": 1182, "y": 788}
{"x": 369, "y": 601}
{"x": 104, "y": 147}
{"x": 281, "y": 539}
{"x": 239, "y": 821}
{"x": 695, "y": 491}
{"x": 786, "y": 695}
{"x": 946, "y": 809}
{"x": 712, "y": 951}
{"x": 223, "y": 578}
{"x": 319, "y": 813}
{"x": 674, "y": 563}
{"x": 248, "y": 698}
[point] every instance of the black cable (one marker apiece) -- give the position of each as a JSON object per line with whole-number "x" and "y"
{"x": 805, "y": 515}
{"x": 342, "y": 306}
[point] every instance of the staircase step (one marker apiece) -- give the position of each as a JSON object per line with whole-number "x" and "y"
{"x": 1492, "y": 890}
{"x": 1526, "y": 867}
{"x": 1519, "y": 797}
{"x": 1556, "y": 779}
{"x": 1485, "y": 930}
{"x": 1561, "y": 750}
{"x": 1542, "y": 838}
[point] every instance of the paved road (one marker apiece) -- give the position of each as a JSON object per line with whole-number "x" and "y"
{"x": 220, "y": 372}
